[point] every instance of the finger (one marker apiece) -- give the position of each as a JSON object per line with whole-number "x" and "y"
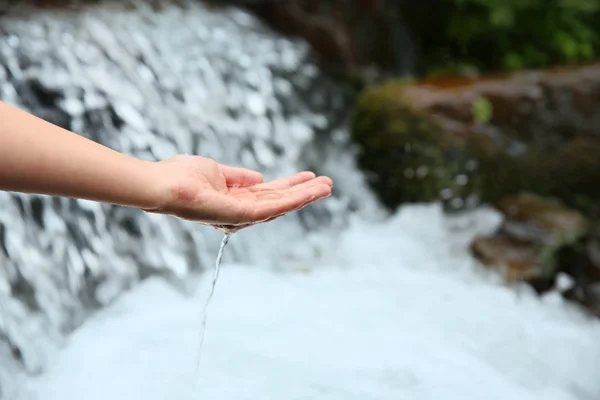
{"x": 278, "y": 193}
{"x": 275, "y": 193}
{"x": 326, "y": 180}
{"x": 291, "y": 201}
{"x": 286, "y": 182}
{"x": 302, "y": 187}
{"x": 323, "y": 180}
{"x": 241, "y": 177}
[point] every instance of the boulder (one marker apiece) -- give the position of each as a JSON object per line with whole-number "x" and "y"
{"x": 517, "y": 260}
{"x": 541, "y": 238}
{"x": 542, "y": 221}
{"x": 464, "y": 138}
{"x": 527, "y": 243}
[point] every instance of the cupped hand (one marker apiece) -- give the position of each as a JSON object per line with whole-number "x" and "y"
{"x": 229, "y": 198}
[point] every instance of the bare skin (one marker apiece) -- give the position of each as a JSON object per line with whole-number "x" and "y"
{"x": 42, "y": 158}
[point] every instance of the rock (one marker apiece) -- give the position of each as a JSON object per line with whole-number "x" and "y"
{"x": 541, "y": 240}
{"x": 364, "y": 38}
{"x": 535, "y": 131}
{"x": 527, "y": 243}
{"x": 593, "y": 298}
{"x": 517, "y": 260}
{"x": 594, "y": 247}
{"x": 542, "y": 221}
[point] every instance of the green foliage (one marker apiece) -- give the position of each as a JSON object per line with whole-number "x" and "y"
{"x": 514, "y": 34}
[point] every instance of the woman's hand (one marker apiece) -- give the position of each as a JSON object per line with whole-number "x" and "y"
{"x": 201, "y": 190}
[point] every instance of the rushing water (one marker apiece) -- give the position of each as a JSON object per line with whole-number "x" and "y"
{"x": 155, "y": 82}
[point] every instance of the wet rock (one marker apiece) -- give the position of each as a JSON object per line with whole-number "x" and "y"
{"x": 593, "y": 251}
{"x": 593, "y": 294}
{"x": 535, "y": 131}
{"x": 527, "y": 243}
{"x": 543, "y": 221}
{"x": 541, "y": 239}
{"x": 583, "y": 263}
{"x": 517, "y": 260}
{"x": 576, "y": 262}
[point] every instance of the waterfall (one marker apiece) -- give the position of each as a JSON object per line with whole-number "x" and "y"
{"x": 154, "y": 83}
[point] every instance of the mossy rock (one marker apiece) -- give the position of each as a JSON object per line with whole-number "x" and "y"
{"x": 406, "y": 155}
{"x": 483, "y": 139}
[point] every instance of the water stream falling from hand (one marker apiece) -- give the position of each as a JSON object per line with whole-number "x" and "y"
{"x": 212, "y": 291}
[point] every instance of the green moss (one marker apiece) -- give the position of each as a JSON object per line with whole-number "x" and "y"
{"x": 482, "y": 110}
{"x": 407, "y": 155}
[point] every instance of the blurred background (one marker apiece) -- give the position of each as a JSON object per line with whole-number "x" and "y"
{"x": 458, "y": 258}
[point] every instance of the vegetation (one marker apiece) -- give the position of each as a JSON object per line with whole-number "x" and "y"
{"x": 483, "y": 35}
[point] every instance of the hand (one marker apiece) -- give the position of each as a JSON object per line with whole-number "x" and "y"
{"x": 227, "y": 198}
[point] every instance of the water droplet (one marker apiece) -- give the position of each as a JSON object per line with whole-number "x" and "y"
{"x": 472, "y": 201}
{"x": 409, "y": 173}
{"x": 320, "y": 121}
{"x": 13, "y": 41}
{"x": 67, "y": 38}
{"x": 255, "y": 104}
{"x": 471, "y": 165}
{"x": 462, "y": 180}
{"x": 457, "y": 203}
{"x": 564, "y": 282}
{"x": 422, "y": 171}
{"x": 446, "y": 194}
{"x": 73, "y": 106}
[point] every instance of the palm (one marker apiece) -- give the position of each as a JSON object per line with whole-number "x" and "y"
{"x": 233, "y": 198}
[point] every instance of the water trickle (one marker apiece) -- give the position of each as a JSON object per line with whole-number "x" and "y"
{"x": 210, "y": 296}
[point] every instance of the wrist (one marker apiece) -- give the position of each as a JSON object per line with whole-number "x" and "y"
{"x": 157, "y": 192}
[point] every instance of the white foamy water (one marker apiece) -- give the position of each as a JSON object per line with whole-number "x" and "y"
{"x": 396, "y": 310}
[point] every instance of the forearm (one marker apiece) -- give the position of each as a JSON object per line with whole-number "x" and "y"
{"x": 42, "y": 158}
